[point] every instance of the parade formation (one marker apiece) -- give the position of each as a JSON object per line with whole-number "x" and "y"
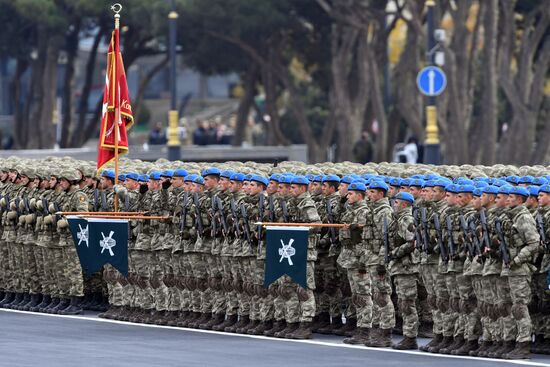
{"x": 457, "y": 253}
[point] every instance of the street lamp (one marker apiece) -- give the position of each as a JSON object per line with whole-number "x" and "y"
{"x": 174, "y": 145}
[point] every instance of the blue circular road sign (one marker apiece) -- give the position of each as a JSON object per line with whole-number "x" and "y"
{"x": 431, "y": 81}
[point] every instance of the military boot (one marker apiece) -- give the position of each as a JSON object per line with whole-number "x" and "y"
{"x": 228, "y": 322}
{"x": 361, "y": 336}
{"x": 34, "y": 300}
{"x": 407, "y": 343}
{"x": 302, "y": 332}
{"x": 261, "y": 328}
{"x": 436, "y": 340}
{"x": 73, "y": 308}
{"x": 506, "y": 348}
{"x": 16, "y": 300}
{"x": 103, "y": 303}
{"x": 426, "y": 330}
{"x": 277, "y": 326}
{"x": 215, "y": 320}
{"x": 160, "y": 318}
{"x": 19, "y": 306}
{"x": 251, "y": 325}
{"x": 63, "y": 304}
{"x": 545, "y": 348}
{"x": 243, "y": 321}
{"x": 137, "y": 315}
{"x": 46, "y": 299}
{"x": 204, "y": 317}
{"x": 496, "y": 345}
{"x": 323, "y": 320}
{"x": 536, "y": 346}
{"x": 346, "y": 328}
{"x": 54, "y": 302}
{"x": 174, "y": 318}
{"x": 445, "y": 343}
{"x": 331, "y": 327}
{"x": 289, "y": 329}
{"x": 457, "y": 343}
{"x": 521, "y": 351}
{"x": 148, "y": 316}
{"x": 379, "y": 338}
{"x": 482, "y": 349}
{"x": 87, "y": 301}
{"x": 109, "y": 313}
{"x": 8, "y": 298}
{"x": 465, "y": 349}
{"x": 191, "y": 318}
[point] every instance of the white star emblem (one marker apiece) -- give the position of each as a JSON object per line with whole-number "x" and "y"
{"x": 287, "y": 251}
{"x": 82, "y": 235}
{"x": 107, "y": 243}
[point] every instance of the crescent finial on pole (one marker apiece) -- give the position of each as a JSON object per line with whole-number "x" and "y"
{"x": 116, "y": 8}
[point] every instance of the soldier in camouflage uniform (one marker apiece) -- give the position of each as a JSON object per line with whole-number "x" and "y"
{"x": 540, "y": 282}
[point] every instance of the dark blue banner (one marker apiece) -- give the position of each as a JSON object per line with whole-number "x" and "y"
{"x": 286, "y": 253}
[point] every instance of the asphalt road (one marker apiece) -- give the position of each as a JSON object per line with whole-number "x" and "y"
{"x": 40, "y": 340}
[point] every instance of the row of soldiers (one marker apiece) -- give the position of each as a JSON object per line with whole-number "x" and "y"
{"x": 475, "y": 245}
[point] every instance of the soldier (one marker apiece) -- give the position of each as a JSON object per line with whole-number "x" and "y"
{"x": 540, "y": 282}
{"x": 355, "y": 219}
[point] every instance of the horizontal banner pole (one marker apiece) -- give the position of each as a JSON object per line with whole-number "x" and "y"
{"x": 124, "y": 217}
{"x": 101, "y": 213}
{"x": 334, "y": 225}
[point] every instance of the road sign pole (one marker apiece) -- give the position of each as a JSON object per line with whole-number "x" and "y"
{"x": 432, "y": 153}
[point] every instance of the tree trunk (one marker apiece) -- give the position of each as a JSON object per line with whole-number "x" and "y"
{"x": 144, "y": 83}
{"x": 249, "y": 86}
{"x": 47, "y": 136}
{"x": 20, "y": 127}
{"x": 72, "y": 40}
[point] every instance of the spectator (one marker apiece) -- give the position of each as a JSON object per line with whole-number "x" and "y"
{"x": 363, "y": 148}
{"x": 212, "y": 133}
{"x": 157, "y": 135}
{"x": 200, "y": 134}
{"x": 410, "y": 151}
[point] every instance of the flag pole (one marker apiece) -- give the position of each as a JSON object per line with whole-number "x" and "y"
{"x": 116, "y": 8}
{"x": 277, "y": 224}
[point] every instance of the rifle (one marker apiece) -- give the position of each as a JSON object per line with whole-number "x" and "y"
{"x": 542, "y": 232}
{"x": 198, "y": 217}
{"x": 54, "y": 218}
{"x": 285, "y": 211}
{"x": 261, "y": 205}
{"x": 27, "y": 205}
{"x": 503, "y": 248}
{"x": 235, "y": 214}
{"x": 219, "y": 204}
{"x": 452, "y": 251}
{"x": 330, "y": 218}
{"x": 96, "y": 200}
{"x": 184, "y": 204}
{"x": 45, "y": 211}
{"x": 478, "y": 248}
{"x": 386, "y": 241}
{"x": 214, "y": 230}
{"x": 424, "y": 230}
{"x": 103, "y": 201}
{"x": 246, "y": 225}
{"x": 271, "y": 204}
{"x": 439, "y": 234}
{"x": 468, "y": 240}
{"x": 17, "y": 211}
{"x": 484, "y": 229}
{"x": 417, "y": 234}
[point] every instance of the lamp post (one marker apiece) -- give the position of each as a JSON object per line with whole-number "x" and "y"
{"x": 174, "y": 144}
{"x": 432, "y": 153}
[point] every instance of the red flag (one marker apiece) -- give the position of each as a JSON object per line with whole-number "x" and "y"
{"x": 115, "y": 95}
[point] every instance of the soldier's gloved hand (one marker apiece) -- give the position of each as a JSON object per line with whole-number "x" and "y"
{"x": 515, "y": 262}
{"x": 273, "y": 290}
{"x": 21, "y": 205}
{"x": 12, "y": 215}
{"x": 118, "y": 188}
{"x": 166, "y": 184}
{"x": 40, "y": 205}
{"x": 192, "y": 233}
{"x": 302, "y": 294}
{"x": 21, "y": 220}
{"x": 51, "y": 208}
{"x": 62, "y": 224}
{"x": 3, "y": 202}
{"x": 32, "y": 203}
{"x": 29, "y": 219}
{"x": 39, "y": 221}
{"x": 143, "y": 189}
{"x": 381, "y": 270}
{"x": 48, "y": 219}
{"x": 13, "y": 206}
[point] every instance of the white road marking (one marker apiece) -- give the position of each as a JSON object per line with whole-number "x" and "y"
{"x": 311, "y": 341}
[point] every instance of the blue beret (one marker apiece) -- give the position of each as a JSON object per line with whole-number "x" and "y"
{"x": 237, "y": 176}
{"x": 533, "y": 190}
{"x": 405, "y": 182}
{"x": 227, "y": 174}
{"x": 519, "y": 190}
{"x": 463, "y": 181}
{"x": 347, "y": 179}
{"x": 357, "y": 186}
{"x": 452, "y": 188}
{"x": 545, "y": 188}
{"x": 261, "y": 179}
{"x": 417, "y": 176}
{"x": 405, "y": 196}
{"x": 526, "y": 179}
{"x": 478, "y": 191}
{"x": 198, "y": 180}
{"x": 429, "y": 183}
{"x": 180, "y": 172}
{"x": 167, "y": 173}
{"x": 466, "y": 188}
{"x": 417, "y": 182}
{"x": 190, "y": 178}
{"x": 481, "y": 184}
{"x": 300, "y": 180}
{"x": 211, "y": 171}
{"x": 275, "y": 177}
{"x": 286, "y": 179}
{"x": 491, "y": 190}
{"x": 395, "y": 181}
{"x": 155, "y": 175}
{"x": 540, "y": 181}
{"x": 368, "y": 176}
{"x": 143, "y": 178}
{"x": 318, "y": 178}
{"x": 108, "y": 173}
{"x": 512, "y": 179}
{"x": 132, "y": 176}
{"x": 376, "y": 184}
{"x": 505, "y": 189}
{"x": 122, "y": 177}
{"x": 442, "y": 182}
{"x": 430, "y": 176}
{"x": 331, "y": 178}
{"x": 499, "y": 183}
